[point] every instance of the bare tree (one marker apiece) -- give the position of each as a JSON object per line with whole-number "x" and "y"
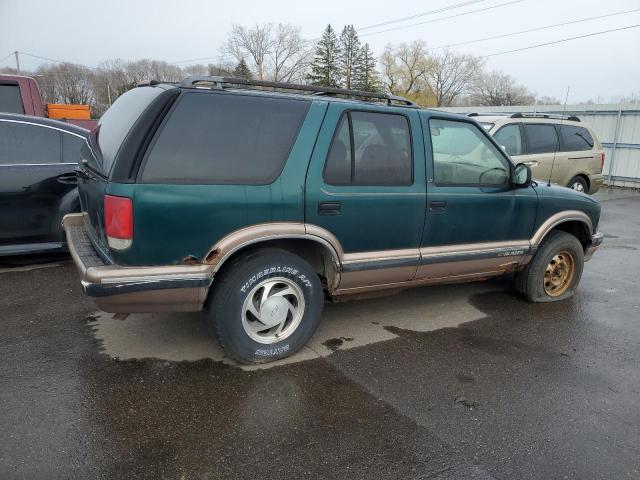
{"x": 451, "y": 75}
{"x": 404, "y": 68}
{"x": 496, "y": 88}
{"x": 256, "y": 43}
{"x": 289, "y": 56}
{"x": 65, "y": 83}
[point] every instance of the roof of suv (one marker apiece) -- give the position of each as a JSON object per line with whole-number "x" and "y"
{"x": 286, "y": 89}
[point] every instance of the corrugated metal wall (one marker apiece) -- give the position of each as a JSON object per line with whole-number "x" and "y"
{"x": 617, "y": 128}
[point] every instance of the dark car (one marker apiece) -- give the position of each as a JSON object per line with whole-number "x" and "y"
{"x": 258, "y": 205}
{"x": 38, "y": 183}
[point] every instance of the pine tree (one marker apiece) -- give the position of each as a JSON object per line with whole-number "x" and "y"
{"x": 242, "y": 70}
{"x": 325, "y": 68}
{"x": 350, "y": 63}
{"x": 367, "y": 77}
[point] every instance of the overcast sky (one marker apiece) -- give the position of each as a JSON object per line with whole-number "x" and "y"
{"x": 89, "y": 31}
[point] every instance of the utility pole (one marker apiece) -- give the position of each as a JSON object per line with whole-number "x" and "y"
{"x": 17, "y": 61}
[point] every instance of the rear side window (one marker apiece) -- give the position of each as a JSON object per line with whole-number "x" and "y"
{"x": 225, "y": 139}
{"x": 10, "y": 99}
{"x": 117, "y": 121}
{"x": 370, "y": 149}
{"x": 575, "y": 139}
{"x": 541, "y": 138}
{"x": 22, "y": 143}
{"x": 509, "y": 137}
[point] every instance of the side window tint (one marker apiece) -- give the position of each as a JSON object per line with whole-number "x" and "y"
{"x": 379, "y": 152}
{"x": 541, "y": 138}
{"x": 22, "y": 143}
{"x": 509, "y": 137}
{"x": 10, "y": 99}
{"x": 225, "y": 139}
{"x": 71, "y": 147}
{"x": 462, "y": 155}
{"x": 575, "y": 138}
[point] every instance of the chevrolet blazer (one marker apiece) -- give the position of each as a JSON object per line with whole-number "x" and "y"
{"x": 256, "y": 201}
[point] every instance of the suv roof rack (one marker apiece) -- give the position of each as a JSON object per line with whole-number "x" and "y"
{"x": 572, "y": 118}
{"x": 483, "y": 114}
{"x": 221, "y": 83}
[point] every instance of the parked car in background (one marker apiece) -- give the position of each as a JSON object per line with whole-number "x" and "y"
{"x": 537, "y": 139}
{"x": 256, "y": 205}
{"x": 20, "y": 94}
{"x": 38, "y": 183}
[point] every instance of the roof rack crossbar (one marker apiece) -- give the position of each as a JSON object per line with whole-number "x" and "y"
{"x": 217, "y": 82}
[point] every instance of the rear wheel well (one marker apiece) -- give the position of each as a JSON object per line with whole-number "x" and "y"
{"x": 578, "y": 229}
{"x": 319, "y": 256}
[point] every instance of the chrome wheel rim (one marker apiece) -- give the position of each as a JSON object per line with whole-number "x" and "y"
{"x": 273, "y": 310}
{"x": 559, "y": 274}
{"x": 578, "y": 187}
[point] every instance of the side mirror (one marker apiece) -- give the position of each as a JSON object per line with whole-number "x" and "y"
{"x": 521, "y": 177}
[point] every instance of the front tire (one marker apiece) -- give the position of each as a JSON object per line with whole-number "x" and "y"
{"x": 265, "y": 306}
{"x": 555, "y": 271}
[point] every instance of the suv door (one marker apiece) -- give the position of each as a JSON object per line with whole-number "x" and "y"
{"x": 33, "y": 181}
{"x": 476, "y": 223}
{"x": 542, "y": 146}
{"x": 365, "y": 186}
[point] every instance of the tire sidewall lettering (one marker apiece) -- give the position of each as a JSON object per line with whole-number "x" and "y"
{"x": 282, "y": 270}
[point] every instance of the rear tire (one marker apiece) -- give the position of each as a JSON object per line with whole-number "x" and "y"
{"x": 579, "y": 184}
{"x": 265, "y": 306}
{"x": 555, "y": 271}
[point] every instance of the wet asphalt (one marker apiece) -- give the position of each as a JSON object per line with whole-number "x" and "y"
{"x": 495, "y": 388}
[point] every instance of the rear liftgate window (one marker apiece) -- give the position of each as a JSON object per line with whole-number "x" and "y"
{"x": 225, "y": 139}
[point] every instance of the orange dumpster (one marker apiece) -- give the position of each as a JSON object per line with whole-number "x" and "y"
{"x": 75, "y": 112}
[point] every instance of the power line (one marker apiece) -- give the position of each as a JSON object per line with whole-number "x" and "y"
{"x": 443, "y": 18}
{"x": 201, "y": 59}
{"x": 562, "y": 40}
{"x": 532, "y": 30}
{"x": 424, "y": 14}
{"x": 4, "y": 58}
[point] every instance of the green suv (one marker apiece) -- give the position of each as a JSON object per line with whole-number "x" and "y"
{"x": 257, "y": 201}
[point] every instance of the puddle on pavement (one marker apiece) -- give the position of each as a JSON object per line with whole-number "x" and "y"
{"x": 185, "y": 336}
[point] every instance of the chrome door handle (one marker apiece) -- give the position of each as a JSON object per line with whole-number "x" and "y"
{"x": 531, "y": 163}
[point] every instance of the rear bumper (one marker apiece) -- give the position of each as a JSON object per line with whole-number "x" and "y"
{"x": 121, "y": 289}
{"x": 595, "y": 182}
{"x": 596, "y": 241}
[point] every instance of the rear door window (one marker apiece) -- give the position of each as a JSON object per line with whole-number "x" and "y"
{"x": 225, "y": 139}
{"x": 575, "y": 139}
{"x": 510, "y": 138}
{"x": 541, "y": 138}
{"x": 370, "y": 148}
{"x": 10, "y": 99}
{"x": 24, "y": 144}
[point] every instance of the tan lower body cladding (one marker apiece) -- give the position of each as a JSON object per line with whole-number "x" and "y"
{"x": 433, "y": 265}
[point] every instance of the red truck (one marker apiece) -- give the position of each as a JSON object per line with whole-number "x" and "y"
{"x": 19, "y": 94}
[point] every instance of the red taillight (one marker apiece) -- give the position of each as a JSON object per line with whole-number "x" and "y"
{"x": 118, "y": 221}
{"x": 601, "y": 162}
